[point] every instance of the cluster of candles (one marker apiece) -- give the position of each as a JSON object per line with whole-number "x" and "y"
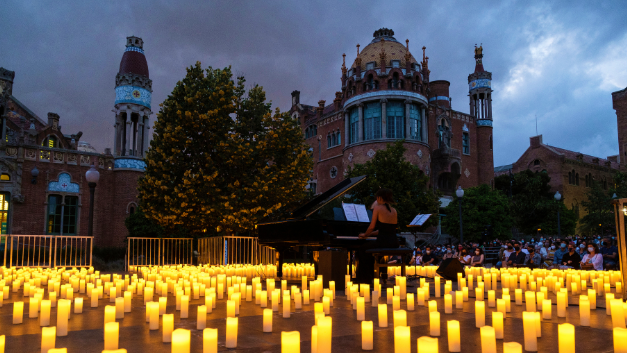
{"x": 296, "y": 271}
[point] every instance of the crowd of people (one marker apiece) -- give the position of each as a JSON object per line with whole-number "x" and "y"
{"x": 587, "y": 253}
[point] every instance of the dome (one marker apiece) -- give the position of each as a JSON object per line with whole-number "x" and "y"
{"x": 383, "y": 39}
{"x": 133, "y": 60}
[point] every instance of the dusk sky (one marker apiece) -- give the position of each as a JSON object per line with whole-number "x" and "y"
{"x": 558, "y": 61}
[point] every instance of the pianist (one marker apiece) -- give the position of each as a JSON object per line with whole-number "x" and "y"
{"x": 383, "y": 226}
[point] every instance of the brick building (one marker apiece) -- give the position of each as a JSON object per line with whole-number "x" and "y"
{"x": 572, "y": 173}
{"x": 42, "y": 169}
{"x": 387, "y": 95}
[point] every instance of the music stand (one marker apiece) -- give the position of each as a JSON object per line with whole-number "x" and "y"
{"x": 415, "y": 224}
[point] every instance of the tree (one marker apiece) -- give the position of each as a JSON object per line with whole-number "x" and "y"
{"x": 600, "y": 215}
{"x": 220, "y": 160}
{"x": 548, "y": 225}
{"x": 389, "y": 169}
{"x": 481, "y": 207}
{"x": 139, "y": 225}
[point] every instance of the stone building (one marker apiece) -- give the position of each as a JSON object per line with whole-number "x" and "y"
{"x": 387, "y": 95}
{"x": 42, "y": 182}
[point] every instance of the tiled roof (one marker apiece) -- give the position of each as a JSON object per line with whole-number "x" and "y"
{"x": 328, "y": 109}
{"x": 134, "y": 62}
{"x": 586, "y": 158}
{"x": 393, "y": 51}
{"x": 30, "y": 112}
{"x": 503, "y": 168}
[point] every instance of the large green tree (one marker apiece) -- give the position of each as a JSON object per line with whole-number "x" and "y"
{"x": 600, "y": 217}
{"x": 481, "y": 207}
{"x": 220, "y": 159}
{"x": 389, "y": 169}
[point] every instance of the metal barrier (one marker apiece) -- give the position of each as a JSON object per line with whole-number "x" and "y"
{"x": 159, "y": 251}
{"x": 47, "y": 250}
{"x": 230, "y": 250}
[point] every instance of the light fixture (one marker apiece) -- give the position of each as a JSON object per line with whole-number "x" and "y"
{"x": 558, "y": 196}
{"x": 92, "y": 175}
{"x": 625, "y": 210}
{"x": 34, "y": 173}
{"x": 459, "y": 192}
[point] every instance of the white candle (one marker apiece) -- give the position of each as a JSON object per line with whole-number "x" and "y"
{"x": 48, "y": 338}
{"x": 168, "y": 326}
{"x": 290, "y": 342}
{"x": 63, "y": 313}
{"x": 402, "y": 339}
{"x": 479, "y": 314}
{"x": 181, "y": 340}
{"x": 210, "y": 340}
{"x": 530, "y": 331}
{"x": 546, "y": 309}
{"x": 33, "y": 308}
{"x": 400, "y": 318}
{"x": 410, "y": 301}
{"x": 361, "y": 310}
{"x": 324, "y": 334}
{"x": 561, "y": 306}
{"x": 448, "y": 304}
{"x": 566, "y": 338}
{"x": 109, "y": 314}
{"x": 231, "y": 332}
{"x": 454, "y": 342}
{"x": 428, "y": 344}
{"x": 584, "y": 311}
{"x": 434, "y": 323}
{"x": 112, "y": 335}
{"x": 163, "y": 304}
{"x": 267, "y": 320}
{"x": 201, "y": 318}
{"x": 287, "y": 305}
{"x": 488, "y": 340}
{"x": 44, "y": 319}
{"x": 367, "y": 335}
{"x": 512, "y": 347}
{"x": 184, "y": 307}
{"x": 497, "y": 324}
{"x": 383, "y": 315}
{"x": 620, "y": 340}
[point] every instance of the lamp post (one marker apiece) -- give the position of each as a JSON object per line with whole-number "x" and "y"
{"x": 92, "y": 176}
{"x": 558, "y": 197}
{"x": 460, "y": 194}
{"x": 34, "y": 173}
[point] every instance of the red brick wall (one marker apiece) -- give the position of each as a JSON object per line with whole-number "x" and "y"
{"x": 619, "y": 100}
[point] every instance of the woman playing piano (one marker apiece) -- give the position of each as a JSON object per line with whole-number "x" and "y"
{"x": 383, "y": 226}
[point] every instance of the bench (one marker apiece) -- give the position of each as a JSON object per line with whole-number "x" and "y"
{"x": 404, "y": 253}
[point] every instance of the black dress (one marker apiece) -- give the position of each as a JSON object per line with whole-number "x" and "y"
{"x": 385, "y": 239}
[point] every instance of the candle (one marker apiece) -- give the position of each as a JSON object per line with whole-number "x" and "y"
{"x": 584, "y": 311}
{"x": 184, "y": 306}
{"x": 508, "y": 302}
{"x": 275, "y": 301}
{"x": 488, "y": 340}
{"x": 620, "y": 340}
{"x": 497, "y": 324}
{"x": 479, "y": 314}
{"x": 512, "y": 347}
{"x": 263, "y": 300}
{"x": 561, "y": 306}
{"x": 63, "y": 314}
{"x": 361, "y": 310}
{"x": 454, "y": 342}
{"x": 112, "y": 335}
{"x": 433, "y": 305}
{"x": 530, "y": 300}
{"x": 402, "y": 339}
{"x": 618, "y": 314}
{"x": 367, "y": 335}
{"x": 180, "y": 340}
{"x": 78, "y": 305}
{"x": 290, "y": 342}
{"x": 33, "y": 308}
{"x": 396, "y": 302}
{"x": 56, "y": 350}
{"x": 500, "y": 306}
{"x": 375, "y": 299}
{"x": 400, "y": 318}
{"x": 201, "y": 318}
{"x": 437, "y": 286}
{"x": 390, "y": 295}
{"x": 2, "y": 339}
{"x": 267, "y": 320}
{"x": 434, "y": 323}
{"x": 566, "y": 338}
{"x": 287, "y": 305}
{"x": 48, "y": 338}
{"x": 110, "y": 313}
{"x": 210, "y": 340}
{"x": 231, "y": 332}
{"x": 44, "y": 319}
{"x": 168, "y": 326}
{"x": 448, "y": 304}
{"x": 163, "y": 303}
{"x": 428, "y": 344}
{"x": 94, "y": 298}
{"x": 518, "y": 296}
{"x": 530, "y": 331}
{"x": 459, "y": 300}
{"x": 326, "y": 305}
{"x": 491, "y": 299}
{"x": 546, "y": 309}
{"x": 383, "y": 315}
{"x": 324, "y": 334}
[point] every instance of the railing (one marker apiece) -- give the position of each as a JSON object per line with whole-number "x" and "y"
{"x": 47, "y": 250}
{"x": 159, "y": 251}
{"x": 230, "y": 250}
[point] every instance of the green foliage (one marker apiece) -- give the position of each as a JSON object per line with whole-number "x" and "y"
{"x": 389, "y": 169}
{"x": 568, "y": 218}
{"x": 139, "y": 225}
{"x": 481, "y": 206}
{"x": 220, "y": 160}
{"x": 600, "y": 217}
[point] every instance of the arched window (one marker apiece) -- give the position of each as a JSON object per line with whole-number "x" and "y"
{"x": 315, "y": 128}
{"x": 354, "y": 125}
{"x": 536, "y": 162}
{"x": 395, "y": 115}
{"x": 51, "y": 142}
{"x": 394, "y": 84}
{"x": 465, "y": 143}
{"x": 62, "y": 214}
{"x": 372, "y": 121}
{"x": 415, "y": 123}
{"x": 328, "y": 141}
{"x": 5, "y": 177}
{"x": 339, "y": 138}
{"x": 577, "y": 179}
{"x": 307, "y": 133}
{"x": 370, "y": 83}
{"x": 570, "y": 178}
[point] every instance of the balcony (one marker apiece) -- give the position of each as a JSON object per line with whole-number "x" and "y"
{"x": 446, "y": 153}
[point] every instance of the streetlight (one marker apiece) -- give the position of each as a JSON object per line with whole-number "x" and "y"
{"x": 92, "y": 176}
{"x": 558, "y": 197}
{"x": 460, "y": 194}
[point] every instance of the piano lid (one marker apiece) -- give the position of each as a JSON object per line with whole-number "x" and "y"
{"x": 320, "y": 201}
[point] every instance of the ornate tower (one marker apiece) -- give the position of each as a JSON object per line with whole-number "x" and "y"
{"x": 479, "y": 83}
{"x": 619, "y": 103}
{"x": 133, "y": 90}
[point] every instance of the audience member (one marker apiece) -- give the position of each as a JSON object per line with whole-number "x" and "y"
{"x": 592, "y": 260}
{"x": 571, "y": 258}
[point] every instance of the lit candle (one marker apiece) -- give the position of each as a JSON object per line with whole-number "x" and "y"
{"x": 168, "y": 326}
{"x": 324, "y": 334}
{"x": 48, "y": 338}
{"x": 512, "y": 347}
{"x": 390, "y": 295}
{"x": 44, "y": 319}
{"x": 112, "y": 292}
{"x": 180, "y": 340}
{"x": 287, "y": 305}
{"x": 454, "y": 342}
{"x": 400, "y": 318}
{"x": 620, "y": 340}
{"x": 497, "y": 323}
{"x": 275, "y": 301}
{"x": 109, "y": 314}
{"x": 326, "y": 305}
{"x": 592, "y": 297}
{"x": 402, "y": 339}
{"x": 500, "y": 306}
{"x": 78, "y": 305}
{"x": 434, "y": 323}
{"x": 210, "y": 340}
{"x": 367, "y": 335}
{"x": 2, "y": 339}
{"x": 479, "y": 294}
{"x": 479, "y": 314}
{"x": 433, "y": 305}
{"x": 448, "y": 304}
{"x": 508, "y": 302}
{"x": 488, "y": 340}
{"x": 184, "y": 306}
{"x": 546, "y": 309}
{"x": 530, "y": 300}
{"x": 163, "y": 303}
{"x": 584, "y": 311}
{"x": 361, "y": 310}
{"x": 33, "y": 308}
{"x": 437, "y": 286}
{"x": 518, "y": 296}
{"x": 290, "y": 342}
{"x": 530, "y": 331}
{"x": 561, "y": 306}
{"x": 428, "y": 344}
{"x": 267, "y": 320}
{"x": 112, "y": 335}
{"x": 94, "y": 298}
{"x": 491, "y": 299}
{"x": 383, "y": 315}
{"x": 410, "y": 301}
{"x": 566, "y": 338}
{"x": 465, "y": 293}
{"x": 618, "y": 314}
{"x": 231, "y": 332}
{"x": 63, "y": 314}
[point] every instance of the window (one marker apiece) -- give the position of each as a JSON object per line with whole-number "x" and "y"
{"x": 466, "y": 143}
{"x": 315, "y": 130}
{"x": 587, "y": 182}
{"x": 4, "y": 212}
{"x": 62, "y": 216}
{"x": 372, "y": 121}
{"x": 339, "y": 138}
{"x": 396, "y": 63}
{"x": 354, "y": 125}
{"x": 370, "y": 66}
{"x": 415, "y": 123}
{"x": 570, "y": 178}
{"x": 444, "y": 137}
{"x": 328, "y": 141}
{"x": 536, "y": 162}
{"x": 577, "y": 179}
{"x": 306, "y": 133}
{"x": 394, "y": 82}
{"x": 490, "y": 141}
{"x": 5, "y": 177}
{"x": 395, "y": 120}
{"x": 51, "y": 142}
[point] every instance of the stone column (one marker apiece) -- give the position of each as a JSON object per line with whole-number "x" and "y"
{"x": 360, "y": 126}
{"x": 146, "y": 134}
{"x": 384, "y": 118}
{"x": 140, "y": 138}
{"x": 116, "y": 147}
{"x": 407, "y": 120}
{"x": 346, "y": 128}
{"x": 425, "y": 129}
{"x": 129, "y": 129}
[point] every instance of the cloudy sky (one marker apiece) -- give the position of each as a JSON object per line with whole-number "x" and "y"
{"x": 556, "y": 61}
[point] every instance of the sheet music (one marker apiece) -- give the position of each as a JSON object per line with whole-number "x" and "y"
{"x": 362, "y": 213}
{"x": 349, "y": 212}
{"x": 420, "y": 219}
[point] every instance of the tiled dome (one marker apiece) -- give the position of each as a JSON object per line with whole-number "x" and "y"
{"x": 383, "y": 39}
{"x": 133, "y": 60}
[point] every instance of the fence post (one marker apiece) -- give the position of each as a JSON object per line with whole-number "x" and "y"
{"x": 52, "y": 265}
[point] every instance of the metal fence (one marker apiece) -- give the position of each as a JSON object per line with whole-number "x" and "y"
{"x": 47, "y": 250}
{"x": 230, "y": 250}
{"x": 159, "y": 251}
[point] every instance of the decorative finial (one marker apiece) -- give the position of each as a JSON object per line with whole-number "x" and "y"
{"x": 357, "y": 49}
{"x": 382, "y": 57}
{"x": 407, "y": 44}
{"x": 344, "y": 64}
{"x": 423, "y": 53}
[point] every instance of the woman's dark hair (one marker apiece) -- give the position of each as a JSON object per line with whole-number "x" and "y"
{"x": 387, "y": 196}
{"x": 480, "y": 251}
{"x": 596, "y": 248}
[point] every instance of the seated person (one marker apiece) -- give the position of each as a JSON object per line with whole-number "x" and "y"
{"x": 534, "y": 259}
{"x": 610, "y": 254}
{"x": 464, "y": 258}
{"x": 416, "y": 260}
{"x": 428, "y": 259}
{"x": 477, "y": 258}
{"x": 449, "y": 254}
{"x": 572, "y": 258}
{"x": 592, "y": 260}
{"x": 517, "y": 258}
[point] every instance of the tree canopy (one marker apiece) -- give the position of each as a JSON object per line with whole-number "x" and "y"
{"x": 600, "y": 217}
{"x": 220, "y": 160}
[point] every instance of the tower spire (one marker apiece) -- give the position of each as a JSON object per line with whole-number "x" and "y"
{"x": 478, "y": 58}
{"x": 344, "y": 64}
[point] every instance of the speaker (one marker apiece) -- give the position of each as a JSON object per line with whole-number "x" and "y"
{"x": 449, "y": 269}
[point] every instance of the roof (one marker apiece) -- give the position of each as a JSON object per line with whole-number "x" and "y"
{"x": 393, "y": 50}
{"x": 503, "y": 168}
{"x": 586, "y": 158}
{"x": 30, "y": 112}
{"x": 134, "y": 62}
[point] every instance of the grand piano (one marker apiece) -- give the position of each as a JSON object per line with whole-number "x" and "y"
{"x": 299, "y": 229}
